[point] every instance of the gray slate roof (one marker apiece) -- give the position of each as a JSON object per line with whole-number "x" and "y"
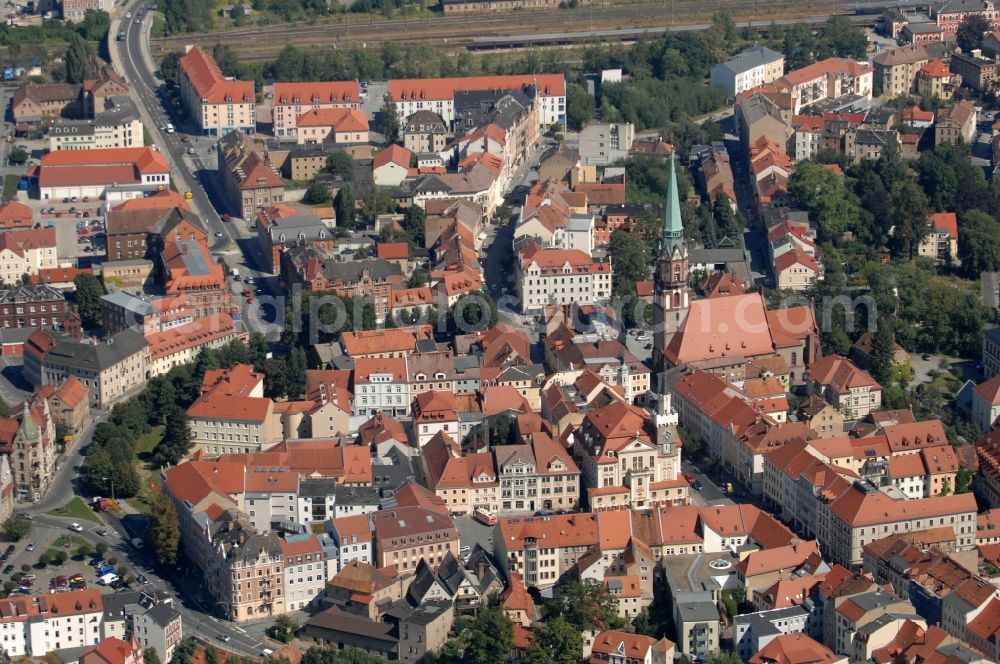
{"x": 755, "y": 56}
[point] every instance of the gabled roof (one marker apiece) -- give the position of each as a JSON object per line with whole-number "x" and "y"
{"x": 209, "y": 82}
{"x": 395, "y": 154}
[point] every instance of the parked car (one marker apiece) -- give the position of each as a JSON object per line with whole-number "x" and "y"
{"x": 30, "y": 547}
{"x": 142, "y": 579}
{"x": 8, "y": 569}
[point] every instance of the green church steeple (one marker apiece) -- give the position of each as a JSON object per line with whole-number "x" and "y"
{"x": 673, "y": 227}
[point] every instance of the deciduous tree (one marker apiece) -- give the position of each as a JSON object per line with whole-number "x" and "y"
{"x": 88, "y": 299}
{"x": 489, "y": 638}
{"x": 163, "y": 535}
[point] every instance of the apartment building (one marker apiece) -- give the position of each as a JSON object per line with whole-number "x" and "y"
{"x": 955, "y": 124}
{"x": 251, "y": 181}
{"x": 27, "y": 252}
{"x": 863, "y": 514}
{"x": 976, "y": 71}
{"x": 405, "y": 536}
{"x": 293, "y": 100}
{"x": 438, "y": 94}
{"x": 560, "y": 276}
{"x": 542, "y": 549}
{"x": 39, "y": 624}
{"x": 606, "y": 143}
{"x": 381, "y": 385}
{"x": 117, "y": 125}
{"x": 754, "y": 66}
{"x": 32, "y": 306}
{"x": 218, "y": 104}
{"x": 305, "y": 570}
{"x": 231, "y": 414}
{"x": 827, "y": 79}
{"x": 845, "y": 386}
{"x": 76, "y": 10}
{"x": 423, "y": 132}
{"x": 112, "y": 369}
{"x": 896, "y": 69}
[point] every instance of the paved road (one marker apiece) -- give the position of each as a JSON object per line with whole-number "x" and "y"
{"x": 189, "y": 173}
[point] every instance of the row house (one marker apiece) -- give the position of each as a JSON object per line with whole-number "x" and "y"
{"x": 608, "y": 358}
{"x": 407, "y": 536}
{"x": 714, "y": 411}
{"x": 539, "y": 475}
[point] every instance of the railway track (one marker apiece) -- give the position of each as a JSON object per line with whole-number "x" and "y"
{"x": 459, "y": 31}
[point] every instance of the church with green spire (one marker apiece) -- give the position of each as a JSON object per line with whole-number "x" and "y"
{"x": 671, "y": 296}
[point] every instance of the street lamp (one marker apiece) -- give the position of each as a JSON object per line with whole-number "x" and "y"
{"x": 112, "y": 486}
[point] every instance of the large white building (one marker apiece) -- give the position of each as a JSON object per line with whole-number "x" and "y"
{"x": 114, "y": 174}
{"x": 26, "y": 252}
{"x": 438, "y": 94}
{"x": 754, "y": 66}
{"x": 380, "y": 385}
{"x": 38, "y": 624}
{"x": 560, "y": 276}
{"x": 116, "y": 126}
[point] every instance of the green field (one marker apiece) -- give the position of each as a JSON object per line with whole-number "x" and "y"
{"x": 76, "y": 509}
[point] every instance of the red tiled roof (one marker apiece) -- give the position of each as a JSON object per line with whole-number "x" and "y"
{"x": 325, "y": 92}
{"x": 947, "y": 221}
{"x": 935, "y": 68}
{"x": 395, "y": 153}
{"x": 209, "y": 82}
{"x": 432, "y": 89}
{"x": 340, "y": 119}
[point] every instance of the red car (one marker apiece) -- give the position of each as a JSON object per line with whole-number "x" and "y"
{"x": 689, "y": 477}
{"x": 84, "y": 231}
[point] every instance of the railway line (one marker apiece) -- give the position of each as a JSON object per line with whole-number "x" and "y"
{"x": 490, "y": 30}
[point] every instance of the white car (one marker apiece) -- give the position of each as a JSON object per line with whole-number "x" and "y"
{"x": 75, "y": 527}
{"x": 642, "y": 337}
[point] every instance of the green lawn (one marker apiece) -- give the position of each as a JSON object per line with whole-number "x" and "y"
{"x": 147, "y": 442}
{"x": 10, "y": 183}
{"x": 76, "y": 509}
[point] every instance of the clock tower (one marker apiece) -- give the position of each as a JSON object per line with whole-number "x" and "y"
{"x": 671, "y": 297}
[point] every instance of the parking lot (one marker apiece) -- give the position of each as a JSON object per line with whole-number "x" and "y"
{"x": 79, "y": 224}
{"x": 60, "y": 559}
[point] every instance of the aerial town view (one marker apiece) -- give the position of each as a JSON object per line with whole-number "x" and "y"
{"x": 500, "y": 332}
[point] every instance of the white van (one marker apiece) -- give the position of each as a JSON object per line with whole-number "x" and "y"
{"x": 108, "y": 579}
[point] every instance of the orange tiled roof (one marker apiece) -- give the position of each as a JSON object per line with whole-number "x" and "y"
{"x": 209, "y": 82}
{"x": 340, "y": 119}
{"x": 444, "y": 88}
{"x": 325, "y": 92}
